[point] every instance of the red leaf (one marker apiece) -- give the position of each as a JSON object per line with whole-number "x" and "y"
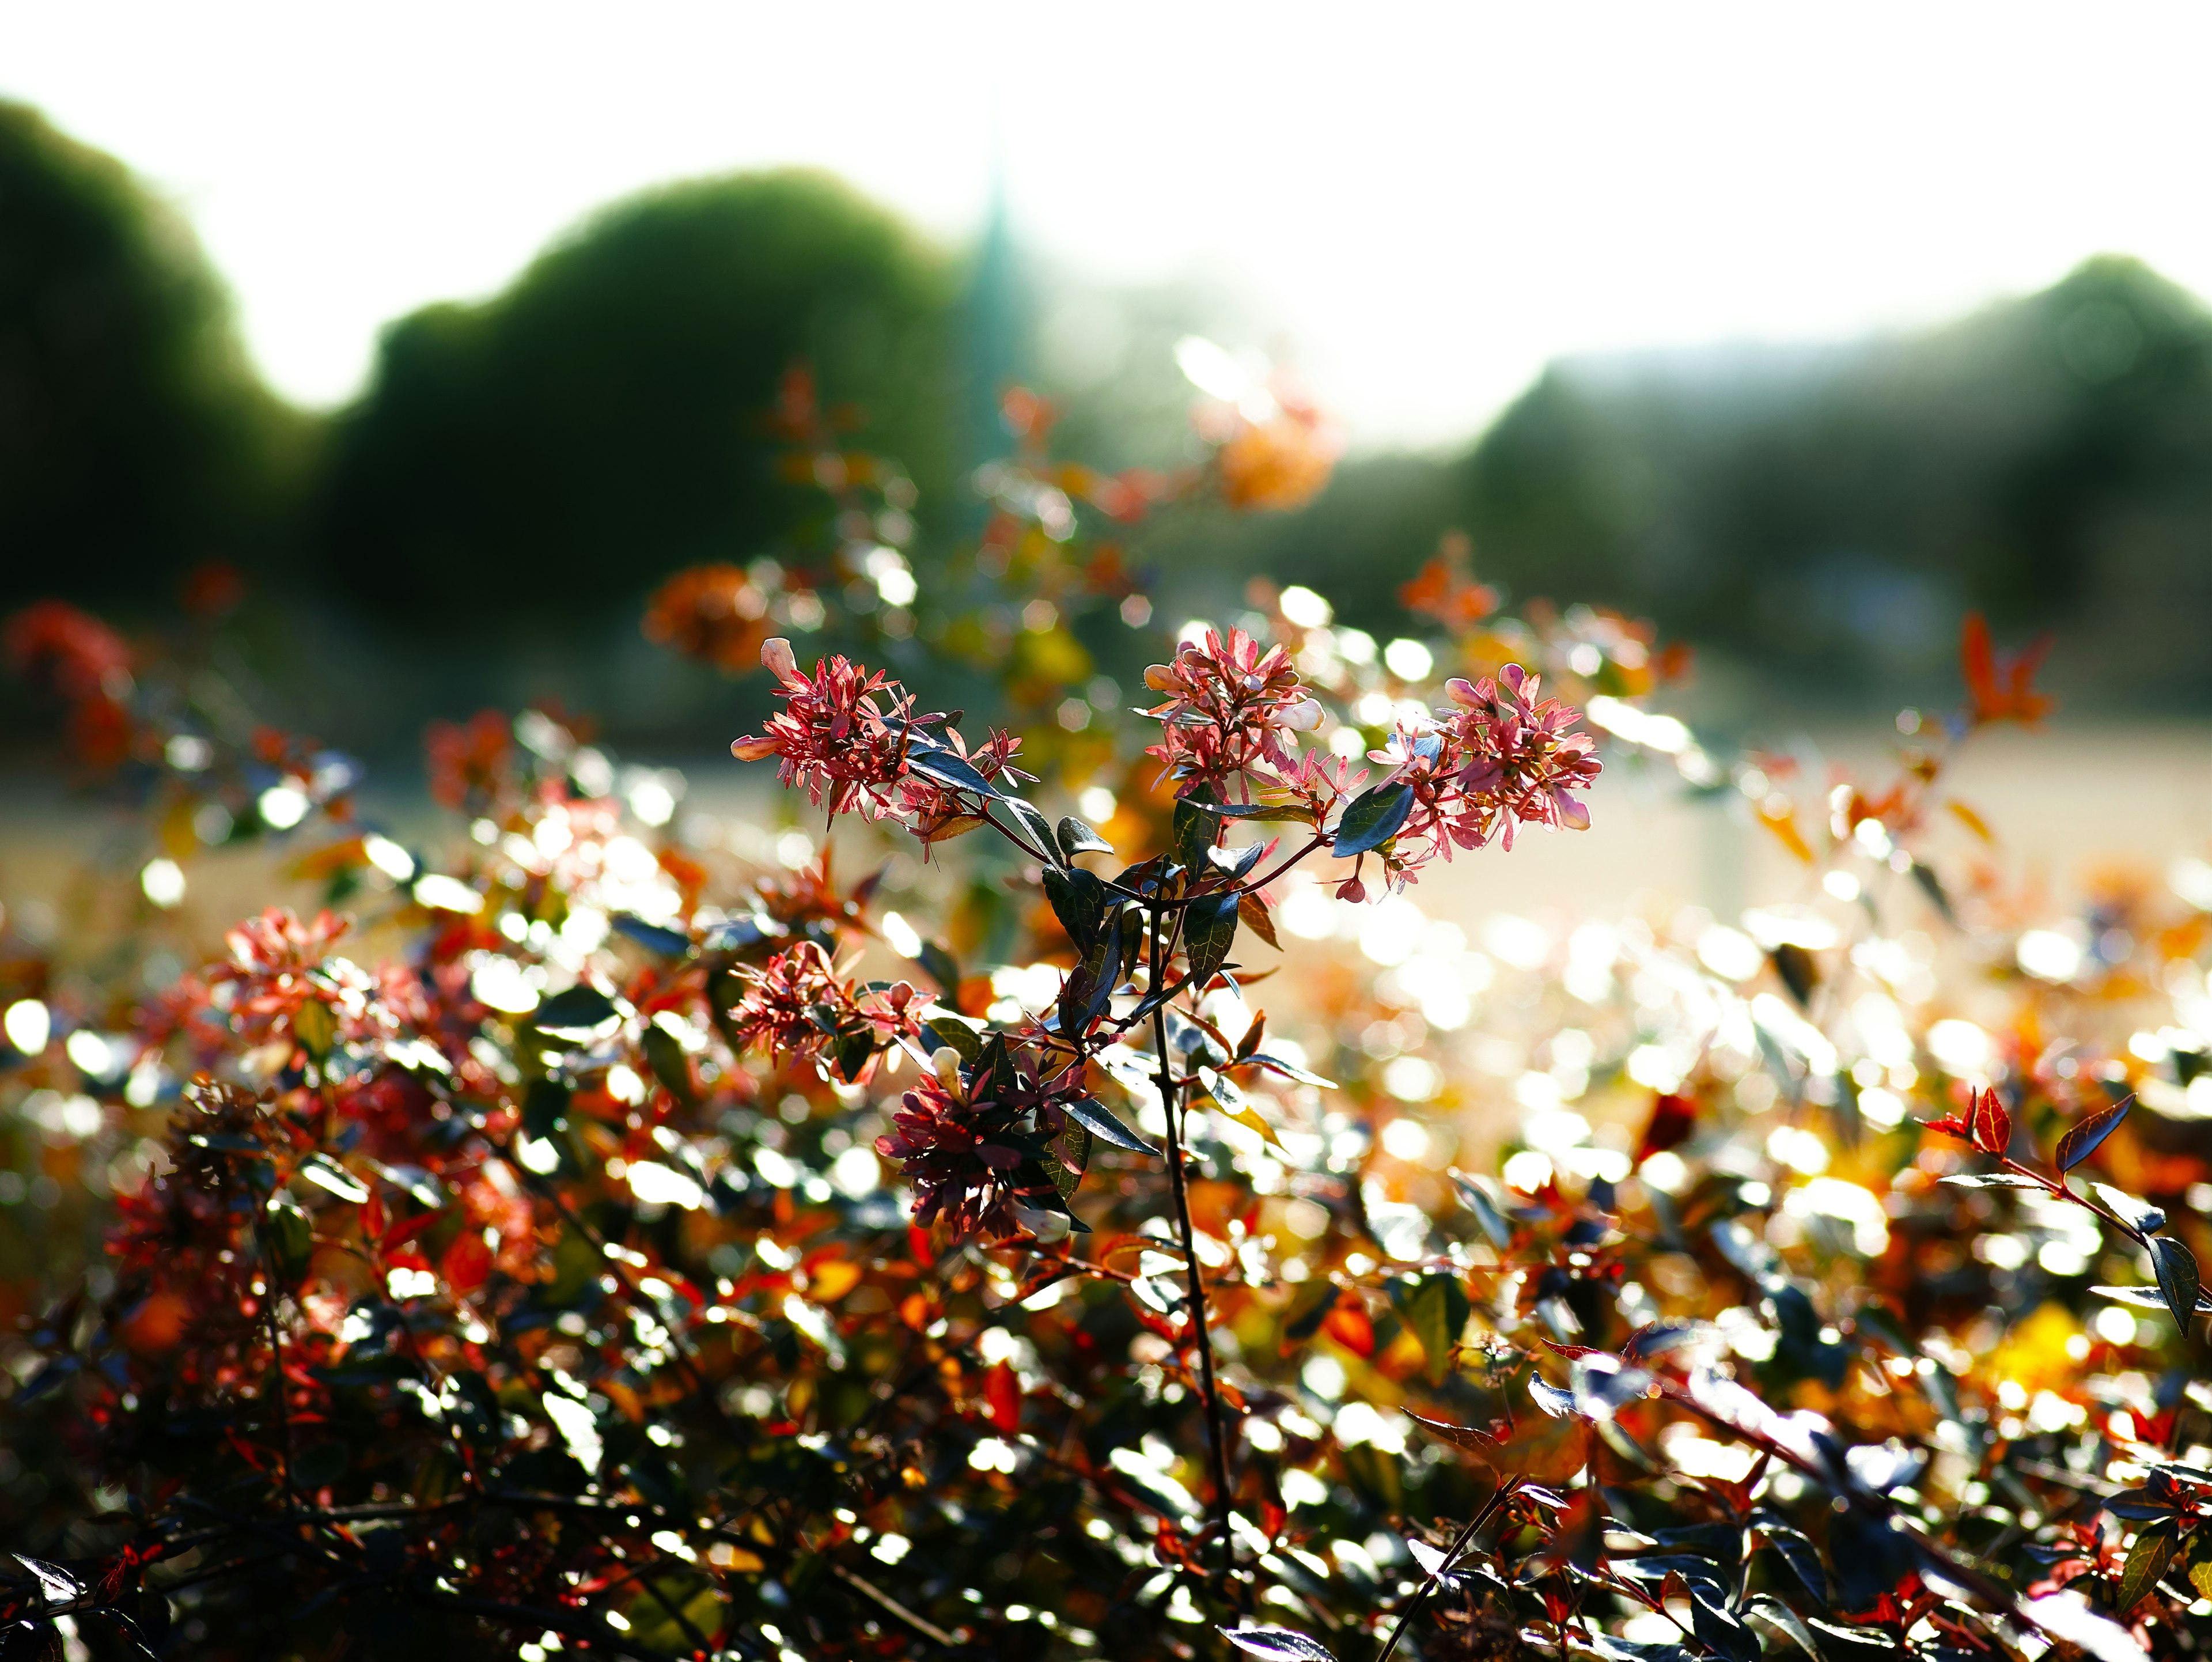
{"x": 1673, "y": 1119}
{"x": 467, "y": 1262}
{"x": 406, "y": 1229}
{"x": 1002, "y": 1399}
{"x": 1992, "y": 1123}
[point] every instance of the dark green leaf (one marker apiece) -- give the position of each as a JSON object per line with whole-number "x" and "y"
{"x": 942, "y": 1031}
{"x": 940, "y": 966}
{"x": 1076, "y": 837}
{"x": 1197, "y": 828}
{"x": 543, "y": 1107}
{"x": 1484, "y": 1206}
{"x": 1768, "y": 1609}
{"x": 2078, "y": 1144}
{"x": 1036, "y": 827}
{"x": 1371, "y": 819}
{"x": 581, "y": 1007}
{"x": 1209, "y": 930}
{"x": 1800, "y": 971}
{"x": 1932, "y": 886}
{"x": 1094, "y": 1118}
{"x": 947, "y": 766}
{"x": 2176, "y": 1267}
{"x": 669, "y": 943}
{"x": 2147, "y": 1560}
{"x": 1308, "y": 1308}
{"x": 664, "y": 1054}
{"x": 1275, "y": 1064}
{"x": 1079, "y": 900}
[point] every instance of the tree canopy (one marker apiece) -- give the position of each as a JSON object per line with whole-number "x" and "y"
{"x": 601, "y": 423}
{"x": 135, "y": 438}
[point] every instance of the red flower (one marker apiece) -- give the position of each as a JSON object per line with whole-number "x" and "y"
{"x": 957, "y": 1145}
{"x": 841, "y": 733}
{"x": 797, "y": 1006}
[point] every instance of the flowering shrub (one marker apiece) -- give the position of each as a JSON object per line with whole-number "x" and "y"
{"x": 630, "y": 1236}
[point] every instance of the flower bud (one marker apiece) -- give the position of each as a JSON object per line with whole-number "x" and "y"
{"x": 944, "y": 1062}
{"x": 1162, "y": 678}
{"x": 1303, "y": 716}
{"x": 777, "y": 659}
{"x": 752, "y": 750}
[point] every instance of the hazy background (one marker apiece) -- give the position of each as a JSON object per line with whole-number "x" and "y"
{"x": 1800, "y": 331}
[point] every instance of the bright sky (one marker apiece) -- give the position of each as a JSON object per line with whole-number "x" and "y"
{"x": 1431, "y": 201}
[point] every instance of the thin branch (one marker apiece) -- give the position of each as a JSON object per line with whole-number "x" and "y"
{"x": 1216, "y": 1424}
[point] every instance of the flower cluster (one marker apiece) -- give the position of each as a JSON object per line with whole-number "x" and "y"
{"x": 797, "y": 1006}
{"x": 713, "y": 612}
{"x": 1230, "y": 711}
{"x": 841, "y": 736}
{"x": 968, "y": 1144}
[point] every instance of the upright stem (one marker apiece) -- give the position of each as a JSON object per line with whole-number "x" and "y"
{"x": 1217, "y": 1428}
{"x": 277, "y": 1354}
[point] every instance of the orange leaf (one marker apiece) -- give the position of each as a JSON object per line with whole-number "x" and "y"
{"x": 1348, "y": 1325}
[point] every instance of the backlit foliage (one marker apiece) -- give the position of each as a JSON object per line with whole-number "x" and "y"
{"x": 611, "y": 1227}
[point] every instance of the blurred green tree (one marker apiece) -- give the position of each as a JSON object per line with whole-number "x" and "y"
{"x": 1825, "y": 514}
{"x": 556, "y": 449}
{"x": 134, "y": 437}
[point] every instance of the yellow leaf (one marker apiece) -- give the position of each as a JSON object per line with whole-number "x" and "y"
{"x": 1973, "y": 821}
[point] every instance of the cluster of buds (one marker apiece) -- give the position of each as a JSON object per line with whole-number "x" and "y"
{"x": 841, "y": 736}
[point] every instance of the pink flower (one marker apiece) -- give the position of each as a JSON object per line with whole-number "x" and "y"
{"x": 1520, "y": 756}
{"x": 1230, "y": 710}
{"x": 841, "y": 733}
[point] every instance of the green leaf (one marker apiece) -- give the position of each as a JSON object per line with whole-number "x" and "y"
{"x": 1079, "y": 900}
{"x": 664, "y": 1054}
{"x": 543, "y": 1107}
{"x": 1371, "y": 819}
{"x": 2176, "y": 1267}
{"x": 1275, "y": 1064}
{"x": 582, "y": 1006}
{"x": 2147, "y": 1560}
{"x": 2078, "y": 1144}
{"x": 940, "y": 1031}
{"x": 1094, "y": 1118}
{"x": 1487, "y": 1211}
{"x": 654, "y": 937}
{"x": 291, "y": 1237}
{"x": 1209, "y": 930}
{"x": 1076, "y": 837}
{"x": 1197, "y": 828}
{"x": 1434, "y": 1309}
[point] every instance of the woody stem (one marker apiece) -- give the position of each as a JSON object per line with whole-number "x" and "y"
{"x": 1171, "y": 1094}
